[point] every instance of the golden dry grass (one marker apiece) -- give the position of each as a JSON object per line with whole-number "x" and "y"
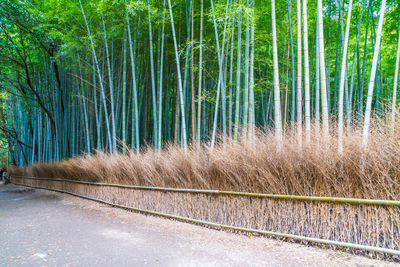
{"x": 256, "y": 165}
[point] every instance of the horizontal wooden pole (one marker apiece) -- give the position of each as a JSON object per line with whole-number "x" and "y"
{"x": 263, "y": 232}
{"x": 233, "y": 193}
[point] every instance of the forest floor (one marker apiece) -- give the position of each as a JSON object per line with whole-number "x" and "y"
{"x": 41, "y": 228}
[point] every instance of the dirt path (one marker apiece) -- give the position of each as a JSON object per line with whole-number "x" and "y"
{"x": 40, "y": 228}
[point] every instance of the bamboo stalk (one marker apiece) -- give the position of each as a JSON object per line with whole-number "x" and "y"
{"x": 277, "y": 97}
{"x": 237, "y": 228}
{"x": 180, "y": 88}
{"x": 233, "y": 193}
{"x": 371, "y": 84}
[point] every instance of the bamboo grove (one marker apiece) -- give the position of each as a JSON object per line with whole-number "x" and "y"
{"x": 86, "y": 75}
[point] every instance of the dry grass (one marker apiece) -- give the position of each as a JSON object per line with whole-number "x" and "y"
{"x": 251, "y": 165}
{"x": 257, "y": 165}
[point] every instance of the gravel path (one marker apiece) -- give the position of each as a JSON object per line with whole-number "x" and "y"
{"x": 41, "y": 228}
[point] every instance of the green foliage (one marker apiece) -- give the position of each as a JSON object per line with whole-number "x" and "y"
{"x": 43, "y": 82}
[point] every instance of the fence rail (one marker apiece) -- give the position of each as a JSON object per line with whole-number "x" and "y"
{"x": 216, "y": 225}
{"x": 221, "y": 192}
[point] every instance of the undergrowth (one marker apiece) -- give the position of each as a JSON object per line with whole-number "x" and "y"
{"x": 256, "y": 164}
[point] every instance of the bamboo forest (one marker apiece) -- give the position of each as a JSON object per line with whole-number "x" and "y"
{"x": 279, "y": 118}
{"x": 81, "y": 76}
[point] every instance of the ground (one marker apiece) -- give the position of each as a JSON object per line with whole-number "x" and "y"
{"x": 41, "y": 228}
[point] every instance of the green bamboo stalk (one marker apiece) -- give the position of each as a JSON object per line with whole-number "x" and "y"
{"x": 246, "y": 74}
{"x": 238, "y": 72}
{"x": 396, "y": 76}
{"x": 231, "y": 87}
{"x": 343, "y": 73}
{"x": 220, "y": 61}
{"x": 277, "y": 96}
{"x": 325, "y": 115}
{"x": 292, "y": 61}
{"x": 111, "y": 85}
{"x": 192, "y": 75}
{"x": 153, "y": 84}
{"x": 124, "y": 94}
{"x": 307, "y": 108}
{"x": 367, "y": 116}
{"x": 251, "y": 79}
{"x": 135, "y": 114}
{"x": 299, "y": 76}
{"x": 317, "y": 83}
{"x": 355, "y": 56}
{"x": 200, "y": 74}
{"x": 182, "y": 104}
{"x": 161, "y": 82}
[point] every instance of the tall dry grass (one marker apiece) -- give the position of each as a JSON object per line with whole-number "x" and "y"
{"x": 256, "y": 165}
{"x": 262, "y": 165}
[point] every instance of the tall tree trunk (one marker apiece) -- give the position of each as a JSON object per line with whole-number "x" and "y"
{"x": 307, "y": 109}
{"x": 124, "y": 94}
{"x": 238, "y": 72}
{"x": 325, "y": 115}
{"x": 246, "y": 75}
{"x": 153, "y": 83}
{"x": 220, "y": 53}
{"x": 161, "y": 83}
{"x": 251, "y": 87}
{"x": 135, "y": 113}
{"x": 192, "y": 77}
{"x": 277, "y": 97}
{"x": 292, "y": 61}
{"x": 396, "y": 76}
{"x": 111, "y": 85}
{"x": 317, "y": 84}
{"x": 355, "y": 56}
{"x": 85, "y": 114}
{"x": 299, "y": 76}
{"x": 182, "y": 104}
{"x": 285, "y": 110}
{"x": 200, "y": 75}
{"x": 343, "y": 73}
{"x": 231, "y": 88}
{"x": 367, "y": 115}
